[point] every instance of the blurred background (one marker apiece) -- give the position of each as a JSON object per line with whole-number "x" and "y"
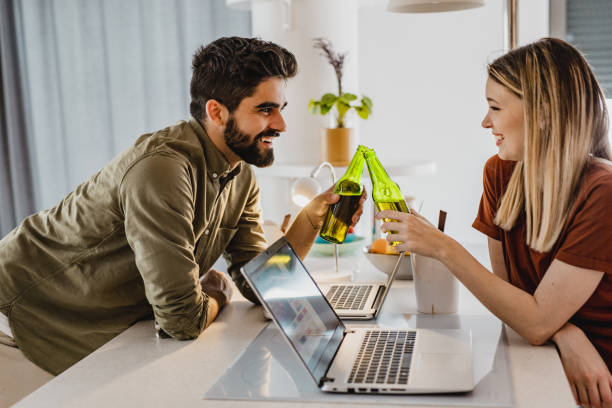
{"x": 81, "y": 80}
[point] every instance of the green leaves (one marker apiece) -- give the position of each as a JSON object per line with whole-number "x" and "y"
{"x": 324, "y": 105}
{"x": 362, "y": 112}
{"x": 348, "y": 97}
{"x": 313, "y": 106}
{"x": 328, "y": 99}
{"x": 367, "y": 102}
{"x": 365, "y": 108}
{"x": 343, "y": 105}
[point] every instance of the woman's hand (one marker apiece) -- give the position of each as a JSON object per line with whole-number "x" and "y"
{"x": 589, "y": 377}
{"x": 414, "y": 233}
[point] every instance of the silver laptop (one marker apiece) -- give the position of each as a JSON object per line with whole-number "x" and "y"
{"x": 359, "y": 300}
{"x": 355, "y": 360}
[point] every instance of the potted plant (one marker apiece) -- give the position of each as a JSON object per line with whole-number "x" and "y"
{"x": 336, "y": 141}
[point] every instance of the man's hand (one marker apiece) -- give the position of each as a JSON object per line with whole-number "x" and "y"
{"x": 317, "y": 208}
{"x": 589, "y": 377}
{"x": 359, "y": 212}
{"x": 309, "y": 221}
{"x": 218, "y": 286}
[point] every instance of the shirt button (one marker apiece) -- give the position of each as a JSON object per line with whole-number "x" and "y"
{"x": 215, "y": 175}
{"x": 206, "y": 231}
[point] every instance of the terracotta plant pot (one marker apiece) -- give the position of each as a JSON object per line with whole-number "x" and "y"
{"x": 337, "y": 145}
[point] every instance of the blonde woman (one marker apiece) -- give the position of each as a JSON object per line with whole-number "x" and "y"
{"x": 547, "y": 211}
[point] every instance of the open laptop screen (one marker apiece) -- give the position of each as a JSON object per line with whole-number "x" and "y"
{"x": 280, "y": 279}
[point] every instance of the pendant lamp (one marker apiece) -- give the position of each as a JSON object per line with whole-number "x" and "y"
{"x": 431, "y": 6}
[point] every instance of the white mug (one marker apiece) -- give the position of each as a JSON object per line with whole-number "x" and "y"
{"x": 436, "y": 288}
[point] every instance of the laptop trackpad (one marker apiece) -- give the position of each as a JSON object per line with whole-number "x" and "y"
{"x": 442, "y": 370}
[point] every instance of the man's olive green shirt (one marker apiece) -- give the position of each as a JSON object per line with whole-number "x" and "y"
{"x": 129, "y": 244}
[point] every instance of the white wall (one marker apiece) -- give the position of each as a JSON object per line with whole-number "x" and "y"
{"x": 335, "y": 20}
{"x": 426, "y": 75}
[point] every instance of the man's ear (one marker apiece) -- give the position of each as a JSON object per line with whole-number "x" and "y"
{"x": 216, "y": 112}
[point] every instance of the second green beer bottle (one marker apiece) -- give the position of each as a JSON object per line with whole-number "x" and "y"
{"x": 349, "y": 188}
{"x": 386, "y": 194}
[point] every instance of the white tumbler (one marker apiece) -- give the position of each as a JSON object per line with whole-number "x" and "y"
{"x": 436, "y": 288}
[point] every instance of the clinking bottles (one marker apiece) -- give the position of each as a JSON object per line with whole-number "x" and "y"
{"x": 386, "y": 194}
{"x": 349, "y": 188}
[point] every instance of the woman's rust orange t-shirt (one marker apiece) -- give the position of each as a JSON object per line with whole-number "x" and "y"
{"x": 585, "y": 242}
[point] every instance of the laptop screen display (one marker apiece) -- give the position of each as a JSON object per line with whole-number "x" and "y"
{"x": 297, "y": 305}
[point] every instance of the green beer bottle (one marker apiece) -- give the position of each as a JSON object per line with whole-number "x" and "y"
{"x": 349, "y": 188}
{"x": 386, "y": 193}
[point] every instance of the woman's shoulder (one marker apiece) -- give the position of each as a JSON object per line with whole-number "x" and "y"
{"x": 598, "y": 176}
{"x": 498, "y": 170}
{"x": 494, "y": 162}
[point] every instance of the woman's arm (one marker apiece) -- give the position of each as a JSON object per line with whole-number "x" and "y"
{"x": 562, "y": 291}
{"x": 589, "y": 377}
{"x": 496, "y": 254}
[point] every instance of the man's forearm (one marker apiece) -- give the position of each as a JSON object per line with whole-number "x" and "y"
{"x": 303, "y": 232}
{"x": 212, "y": 311}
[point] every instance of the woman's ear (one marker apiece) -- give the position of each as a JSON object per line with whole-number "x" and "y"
{"x": 216, "y": 112}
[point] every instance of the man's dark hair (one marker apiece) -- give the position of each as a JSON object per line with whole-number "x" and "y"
{"x": 230, "y": 68}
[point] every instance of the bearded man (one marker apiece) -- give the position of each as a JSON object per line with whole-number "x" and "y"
{"x": 138, "y": 239}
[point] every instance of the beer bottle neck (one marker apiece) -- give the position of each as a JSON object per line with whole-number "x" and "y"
{"x": 352, "y": 176}
{"x": 355, "y": 168}
{"x": 383, "y": 188}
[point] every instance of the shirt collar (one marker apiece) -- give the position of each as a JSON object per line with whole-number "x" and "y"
{"x": 217, "y": 165}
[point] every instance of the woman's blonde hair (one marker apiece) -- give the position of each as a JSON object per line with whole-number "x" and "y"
{"x": 566, "y": 123}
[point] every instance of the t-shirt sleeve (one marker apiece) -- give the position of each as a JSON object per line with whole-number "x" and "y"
{"x": 489, "y": 200}
{"x": 588, "y": 243}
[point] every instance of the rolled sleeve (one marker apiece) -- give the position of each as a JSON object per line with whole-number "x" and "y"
{"x": 157, "y": 200}
{"x": 248, "y": 242}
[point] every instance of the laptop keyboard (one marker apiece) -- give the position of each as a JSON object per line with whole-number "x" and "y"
{"x": 384, "y": 357}
{"x": 352, "y": 297}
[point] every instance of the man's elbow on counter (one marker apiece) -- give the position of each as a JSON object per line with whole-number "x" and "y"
{"x": 188, "y": 332}
{"x": 186, "y": 327}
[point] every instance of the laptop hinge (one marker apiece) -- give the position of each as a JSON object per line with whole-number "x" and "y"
{"x": 324, "y": 380}
{"x": 378, "y": 298}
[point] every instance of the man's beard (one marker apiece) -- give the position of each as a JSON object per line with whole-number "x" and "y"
{"x": 248, "y": 151}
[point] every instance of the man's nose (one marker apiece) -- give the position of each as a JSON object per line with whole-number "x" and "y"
{"x": 279, "y": 122}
